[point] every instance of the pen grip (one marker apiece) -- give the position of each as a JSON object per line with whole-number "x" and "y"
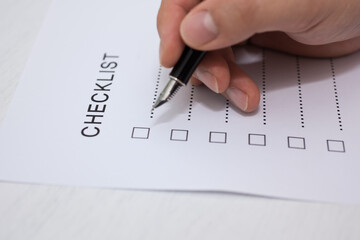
{"x": 187, "y": 64}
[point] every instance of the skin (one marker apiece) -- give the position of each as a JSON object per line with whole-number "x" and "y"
{"x": 312, "y": 28}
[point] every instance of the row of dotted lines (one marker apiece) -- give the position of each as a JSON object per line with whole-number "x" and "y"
{"x": 156, "y": 91}
{"x": 336, "y": 94}
{"x": 191, "y": 102}
{"x": 263, "y": 82}
{"x": 301, "y": 107}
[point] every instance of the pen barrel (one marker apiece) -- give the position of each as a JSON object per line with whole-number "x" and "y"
{"x": 187, "y": 64}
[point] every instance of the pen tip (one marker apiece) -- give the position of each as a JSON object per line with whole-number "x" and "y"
{"x": 167, "y": 93}
{"x": 158, "y": 103}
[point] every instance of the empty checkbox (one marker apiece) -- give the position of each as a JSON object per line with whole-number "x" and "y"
{"x": 296, "y": 142}
{"x": 336, "y": 146}
{"x": 257, "y": 139}
{"x": 179, "y": 135}
{"x": 140, "y": 133}
{"x": 217, "y": 137}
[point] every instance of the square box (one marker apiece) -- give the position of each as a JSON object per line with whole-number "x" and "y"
{"x": 336, "y": 146}
{"x": 140, "y": 133}
{"x": 257, "y": 139}
{"x": 296, "y": 142}
{"x": 218, "y": 137}
{"x": 179, "y": 135}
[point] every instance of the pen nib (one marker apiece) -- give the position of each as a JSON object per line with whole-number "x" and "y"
{"x": 169, "y": 91}
{"x": 160, "y": 101}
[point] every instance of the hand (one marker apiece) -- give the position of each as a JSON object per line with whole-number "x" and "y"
{"x": 313, "y": 28}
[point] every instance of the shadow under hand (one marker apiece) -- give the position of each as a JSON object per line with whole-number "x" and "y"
{"x": 282, "y": 68}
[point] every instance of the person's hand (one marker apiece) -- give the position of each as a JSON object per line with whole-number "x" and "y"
{"x": 314, "y": 28}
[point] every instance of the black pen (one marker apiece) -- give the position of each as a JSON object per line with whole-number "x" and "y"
{"x": 180, "y": 74}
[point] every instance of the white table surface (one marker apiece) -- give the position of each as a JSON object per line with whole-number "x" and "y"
{"x": 57, "y": 212}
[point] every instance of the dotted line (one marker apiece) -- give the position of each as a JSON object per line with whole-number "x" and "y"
{"x": 156, "y": 91}
{"x": 336, "y": 94}
{"x": 263, "y": 88}
{"x": 227, "y": 107}
{"x": 191, "y": 102}
{"x": 300, "y": 92}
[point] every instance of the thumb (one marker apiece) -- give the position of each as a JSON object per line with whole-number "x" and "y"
{"x": 215, "y": 24}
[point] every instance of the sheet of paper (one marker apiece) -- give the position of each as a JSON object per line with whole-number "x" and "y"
{"x": 82, "y": 115}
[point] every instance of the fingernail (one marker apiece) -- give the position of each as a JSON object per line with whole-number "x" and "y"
{"x": 207, "y": 78}
{"x": 237, "y": 97}
{"x": 199, "y": 28}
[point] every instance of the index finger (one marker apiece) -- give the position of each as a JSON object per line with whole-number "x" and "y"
{"x": 170, "y": 16}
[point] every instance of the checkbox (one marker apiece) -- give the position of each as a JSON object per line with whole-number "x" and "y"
{"x": 218, "y": 137}
{"x": 179, "y": 135}
{"x": 336, "y": 146}
{"x": 140, "y": 133}
{"x": 257, "y": 139}
{"x": 296, "y": 142}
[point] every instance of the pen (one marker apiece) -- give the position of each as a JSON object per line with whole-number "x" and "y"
{"x": 180, "y": 74}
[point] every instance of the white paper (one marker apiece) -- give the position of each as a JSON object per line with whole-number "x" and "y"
{"x": 302, "y": 143}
